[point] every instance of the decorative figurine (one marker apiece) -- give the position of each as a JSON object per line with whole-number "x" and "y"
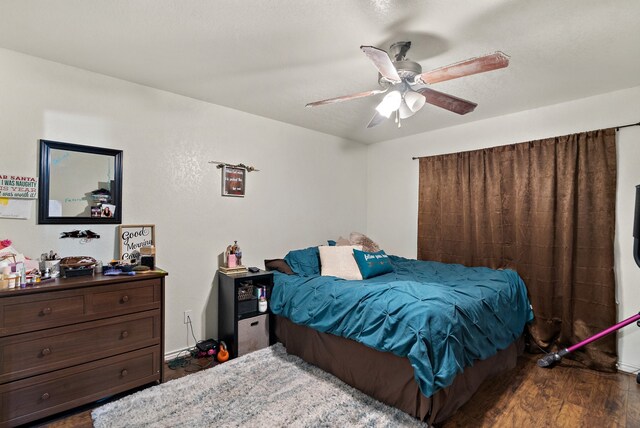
{"x": 233, "y": 255}
{"x": 238, "y": 252}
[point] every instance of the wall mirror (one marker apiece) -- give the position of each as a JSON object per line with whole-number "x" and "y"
{"x": 79, "y": 184}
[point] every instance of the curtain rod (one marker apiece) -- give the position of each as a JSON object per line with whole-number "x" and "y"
{"x": 617, "y": 129}
{"x": 626, "y": 126}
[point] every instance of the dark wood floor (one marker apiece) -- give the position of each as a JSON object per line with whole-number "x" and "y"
{"x": 564, "y": 396}
{"x": 527, "y": 396}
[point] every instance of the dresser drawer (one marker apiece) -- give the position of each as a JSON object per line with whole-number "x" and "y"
{"x": 34, "y": 353}
{"x": 52, "y": 309}
{"x": 125, "y": 297}
{"x": 39, "y": 396}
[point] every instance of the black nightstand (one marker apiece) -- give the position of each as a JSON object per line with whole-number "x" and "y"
{"x": 240, "y": 325}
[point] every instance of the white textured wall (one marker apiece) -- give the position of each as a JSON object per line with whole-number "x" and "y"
{"x": 393, "y": 180}
{"x": 311, "y": 186}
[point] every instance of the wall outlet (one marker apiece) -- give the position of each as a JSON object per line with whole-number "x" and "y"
{"x": 187, "y": 315}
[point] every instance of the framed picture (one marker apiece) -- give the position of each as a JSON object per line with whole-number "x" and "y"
{"x": 233, "y": 181}
{"x": 133, "y": 237}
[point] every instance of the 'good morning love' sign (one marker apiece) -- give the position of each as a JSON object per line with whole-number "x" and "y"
{"x": 134, "y": 237}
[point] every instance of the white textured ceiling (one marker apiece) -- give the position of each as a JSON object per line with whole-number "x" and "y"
{"x": 271, "y": 57}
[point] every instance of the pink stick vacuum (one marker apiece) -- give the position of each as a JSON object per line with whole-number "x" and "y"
{"x": 550, "y": 359}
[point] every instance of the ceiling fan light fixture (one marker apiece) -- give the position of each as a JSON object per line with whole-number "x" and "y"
{"x": 414, "y": 100}
{"x": 390, "y": 103}
{"x": 405, "y": 111}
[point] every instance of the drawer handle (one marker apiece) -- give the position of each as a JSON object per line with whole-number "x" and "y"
{"x": 46, "y": 351}
{"x": 255, "y": 323}
{"x": 124, "y": 299}
{"x": 46, "y": 311}
{"x": 124, "y": 372}
{"x": 124, "y": 334}
{"x": 45, "y": 396}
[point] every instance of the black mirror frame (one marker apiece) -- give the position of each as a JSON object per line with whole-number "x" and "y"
{"x": 43, "y": 186}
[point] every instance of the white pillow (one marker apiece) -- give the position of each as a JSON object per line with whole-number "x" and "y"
{"x": 339, "y": 261}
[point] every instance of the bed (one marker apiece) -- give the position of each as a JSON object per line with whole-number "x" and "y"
{"x": 421, "y": 338}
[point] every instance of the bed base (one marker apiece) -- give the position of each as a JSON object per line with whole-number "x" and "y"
{"x": 388, "y": 377}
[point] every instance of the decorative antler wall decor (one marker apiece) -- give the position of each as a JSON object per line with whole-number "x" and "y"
{"x": 240, "y": 165}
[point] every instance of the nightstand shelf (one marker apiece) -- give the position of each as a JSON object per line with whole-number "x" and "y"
{"x": 243, "y": 328}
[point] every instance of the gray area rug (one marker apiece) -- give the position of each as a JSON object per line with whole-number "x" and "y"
{"x": 267, "y": 388}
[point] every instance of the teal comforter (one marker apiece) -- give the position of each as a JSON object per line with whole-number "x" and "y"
{"x": 442, "y": 317}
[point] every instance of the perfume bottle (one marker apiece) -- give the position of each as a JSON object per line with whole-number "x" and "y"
{"x": 23, "y": 274}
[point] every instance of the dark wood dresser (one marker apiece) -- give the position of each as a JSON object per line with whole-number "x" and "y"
{"x": 77, "y": 340}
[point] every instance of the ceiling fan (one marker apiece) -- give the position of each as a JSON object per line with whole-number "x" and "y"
{"x": 407, "y": 87}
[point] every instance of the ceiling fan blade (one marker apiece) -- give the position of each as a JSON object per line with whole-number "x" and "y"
{"x": 382, "y": 62}
{"x": 465, "y": 68}
{"x": 376, "y": 120}
{"x": 346, "y": 97}
{"x": 447, "y": 102}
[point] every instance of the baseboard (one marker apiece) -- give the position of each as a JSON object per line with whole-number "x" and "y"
{"x": 628, "y": 368}
{"x": 171, "y": 355}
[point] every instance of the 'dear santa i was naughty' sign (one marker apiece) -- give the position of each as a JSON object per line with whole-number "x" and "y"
{"x": 18, "y": 186}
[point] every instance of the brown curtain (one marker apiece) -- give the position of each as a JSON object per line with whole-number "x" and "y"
{"x": 543, "y": 208}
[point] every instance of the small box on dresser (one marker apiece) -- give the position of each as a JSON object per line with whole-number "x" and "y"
{"x": 240, "y": 325}
{"x": 77, "y": 340}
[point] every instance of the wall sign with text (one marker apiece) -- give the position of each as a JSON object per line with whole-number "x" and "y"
{"x": 134, "y": 237}
{"x": 233, "y": 181}
{"x": 18, "y": 186}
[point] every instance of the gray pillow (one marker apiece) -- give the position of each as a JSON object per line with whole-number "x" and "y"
{"x": 367, "y": 243}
